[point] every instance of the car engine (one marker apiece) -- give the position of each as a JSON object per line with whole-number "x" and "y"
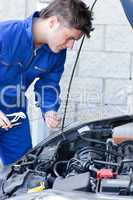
{"x": 88, "y": 160}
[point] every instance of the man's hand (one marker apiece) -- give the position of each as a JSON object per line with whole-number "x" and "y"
{"x": 52, "y": 119}
{"x": 4, "y": 121}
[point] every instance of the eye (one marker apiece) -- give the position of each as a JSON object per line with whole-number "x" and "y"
{"x": 71, "y": 39}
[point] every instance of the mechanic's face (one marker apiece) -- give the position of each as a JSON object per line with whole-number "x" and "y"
{"x": 62, "y": 37}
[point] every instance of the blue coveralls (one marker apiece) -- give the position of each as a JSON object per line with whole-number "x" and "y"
{"x": 20, "y": 64}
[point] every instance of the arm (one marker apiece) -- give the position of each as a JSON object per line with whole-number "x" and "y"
{"x": 7, "y": 46}
{"x": 47, "y": 91}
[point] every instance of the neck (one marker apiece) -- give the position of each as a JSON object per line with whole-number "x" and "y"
{"x": 39, "y": 38}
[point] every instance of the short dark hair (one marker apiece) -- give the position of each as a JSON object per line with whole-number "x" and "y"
{"x": 73, "y": 12}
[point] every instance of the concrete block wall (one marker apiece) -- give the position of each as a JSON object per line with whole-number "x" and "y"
{"x": 14, "y": 9}
{"x": 105, "y": 68}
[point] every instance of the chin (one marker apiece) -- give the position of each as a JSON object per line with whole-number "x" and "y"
{"x": 55, "y": 50}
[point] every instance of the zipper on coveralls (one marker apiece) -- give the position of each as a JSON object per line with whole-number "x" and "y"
{"x": 32, "y": 57}
{"x": 21, "y": 76}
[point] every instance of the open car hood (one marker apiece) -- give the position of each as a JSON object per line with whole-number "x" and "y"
{"x": 88, "y": 161}
{"x": 128, "y": 8}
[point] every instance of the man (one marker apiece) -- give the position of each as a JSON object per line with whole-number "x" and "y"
{"x": 36, "y": 48}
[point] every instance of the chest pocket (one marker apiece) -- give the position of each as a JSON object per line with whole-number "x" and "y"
{"x": 35, "y": 71}
{"x": 41, "y": 70}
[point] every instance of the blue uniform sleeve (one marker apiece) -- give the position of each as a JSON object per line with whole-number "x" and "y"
{"x": 47, "y": 89}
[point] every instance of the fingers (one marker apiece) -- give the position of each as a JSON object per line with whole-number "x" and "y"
{"x": 52, "y": 123}
{"x": 52, "y": 119}
{"x": 4, "y": 121}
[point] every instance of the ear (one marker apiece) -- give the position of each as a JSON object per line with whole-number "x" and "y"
{"x": 53, "y": 21}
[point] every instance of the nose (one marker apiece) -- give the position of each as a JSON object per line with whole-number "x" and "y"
{"x": 70, "y": 44}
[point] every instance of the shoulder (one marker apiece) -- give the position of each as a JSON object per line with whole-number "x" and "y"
{"x": 12, "y": 34}
{"x": 11, "y": 25}
{"x": 11, "y": 29}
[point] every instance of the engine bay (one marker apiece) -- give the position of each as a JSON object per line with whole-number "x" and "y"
{"x": 87, "y": 161}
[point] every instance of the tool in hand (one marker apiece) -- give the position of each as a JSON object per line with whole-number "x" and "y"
{"x": 16, "y": 118}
